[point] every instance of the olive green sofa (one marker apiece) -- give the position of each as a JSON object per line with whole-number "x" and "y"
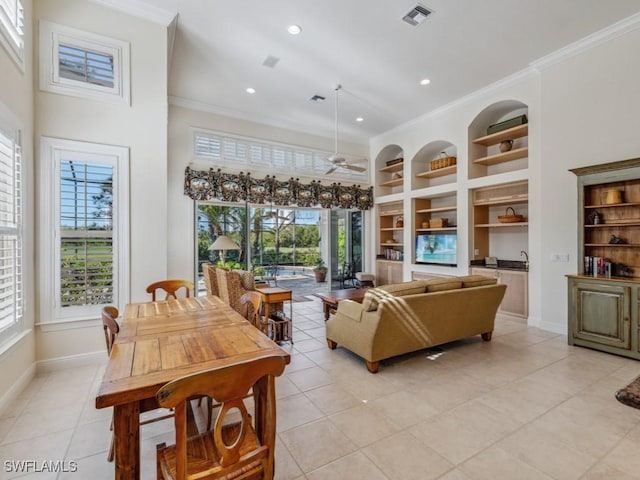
{"x": 405, "y": 317}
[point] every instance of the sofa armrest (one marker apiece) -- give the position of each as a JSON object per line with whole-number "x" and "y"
{"x": 350, "y": 309}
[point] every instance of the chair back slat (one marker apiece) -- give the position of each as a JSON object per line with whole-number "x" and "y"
{"x": 171, "y": 288}
{"x": 229, "y": 385}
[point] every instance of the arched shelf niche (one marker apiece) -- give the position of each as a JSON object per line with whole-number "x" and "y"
{"x": 488, "y": 151}
{"x": 389, "y": 166}
{"x": 426, "y": 172}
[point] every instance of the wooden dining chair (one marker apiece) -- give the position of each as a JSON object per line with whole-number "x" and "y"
{"x": 171, "y": 287}
{"x": 233, "y": 449}
{"x": 251, "y": 306}
{"x": 111, "y": 331}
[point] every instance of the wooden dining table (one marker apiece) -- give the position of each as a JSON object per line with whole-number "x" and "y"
{"x": 159, "y": 342}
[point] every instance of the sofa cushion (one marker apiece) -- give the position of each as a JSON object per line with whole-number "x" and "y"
{"x": 477, "y": 281}
{"x": 441, "y": 284}
{"x": 370, "y": 302}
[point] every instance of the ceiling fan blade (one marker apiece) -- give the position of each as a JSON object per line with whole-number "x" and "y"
{"x": 355, "y": 168}
{"x": 331, "y": 170}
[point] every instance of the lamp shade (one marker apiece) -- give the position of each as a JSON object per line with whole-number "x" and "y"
{"x": 224, "y": 243}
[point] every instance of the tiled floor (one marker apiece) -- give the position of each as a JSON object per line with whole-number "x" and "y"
{"x": 525, "y": 405}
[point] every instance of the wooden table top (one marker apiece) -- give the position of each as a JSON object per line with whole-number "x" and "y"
{"x": 161, "y": 341}
{"x": 336, "y": 296}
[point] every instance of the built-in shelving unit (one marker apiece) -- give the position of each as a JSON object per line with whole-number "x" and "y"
{"x": 392, "y": 175}
{"x": 604, "y": 297}
{"x": 441, "y": 172}
{"x": 390, "y": 243}
{"x": 488, "y": 204}
{"x": 499, "y": 152}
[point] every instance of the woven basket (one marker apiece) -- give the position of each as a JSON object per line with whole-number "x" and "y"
{"x": 513, "y": 218}
{"x": 443, "y": 161}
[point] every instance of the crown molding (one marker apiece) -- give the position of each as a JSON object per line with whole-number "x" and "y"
{"x": 140, "y": 9}
{"x": 590, "y": 41}
{"x": 258, "y": 118}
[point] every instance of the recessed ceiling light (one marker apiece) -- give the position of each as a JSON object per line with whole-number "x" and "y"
{"x": 294, "y": 29}
{"x": 425, "y": 81}
{"x": 251, "y": 90}
{"x": 359, "y": 119}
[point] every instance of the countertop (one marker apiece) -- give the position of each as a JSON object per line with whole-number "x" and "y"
{"x": 517, "y": 265}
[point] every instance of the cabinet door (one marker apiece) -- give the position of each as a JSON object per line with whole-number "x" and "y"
{"x": 395, "y": 272}
{"x": 601, "y": 313}
{"x": 515, "y": 301}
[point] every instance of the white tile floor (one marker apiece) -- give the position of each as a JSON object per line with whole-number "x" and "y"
{"x": 525, "y": 405}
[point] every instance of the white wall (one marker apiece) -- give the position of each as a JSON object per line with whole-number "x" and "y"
{"x": 142, "y": 127}
{"x": 582, "y": 111}
{"x": 16, "y": 94}
{"x": 589, "y": 115}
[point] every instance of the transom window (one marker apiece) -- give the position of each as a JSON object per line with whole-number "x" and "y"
{"x": 83, "y": 64}
{"x": 268, "y": 157}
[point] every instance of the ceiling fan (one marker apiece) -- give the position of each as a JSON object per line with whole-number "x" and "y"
{"x": 336, "y": 159}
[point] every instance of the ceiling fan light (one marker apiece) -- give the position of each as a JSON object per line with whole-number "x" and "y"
{"x": 359, "y": 119}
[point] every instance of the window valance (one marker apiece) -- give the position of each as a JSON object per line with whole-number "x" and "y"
{"x": 230, "y": 187}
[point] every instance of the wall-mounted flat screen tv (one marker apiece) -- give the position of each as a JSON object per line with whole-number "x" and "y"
{"x": 437, "y": 249}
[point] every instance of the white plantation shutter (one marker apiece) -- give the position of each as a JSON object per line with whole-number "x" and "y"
{"x": 267, "y": 157}
{"x": 84, "y": 65}
{"x": 208, "y": 147}
{"x": 86, "y": 234}
{"x": 12, "y": 28}
{"x": 11, "y": 281}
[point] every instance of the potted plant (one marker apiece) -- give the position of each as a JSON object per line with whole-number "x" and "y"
{"x": 320, "y": 271}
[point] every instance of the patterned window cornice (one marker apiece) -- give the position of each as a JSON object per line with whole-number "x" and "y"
{"x": 229, "y": 187}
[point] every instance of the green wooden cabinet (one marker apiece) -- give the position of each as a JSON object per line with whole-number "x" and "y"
{"x": 601, "y": 313}
{"x": 604, "y": 311}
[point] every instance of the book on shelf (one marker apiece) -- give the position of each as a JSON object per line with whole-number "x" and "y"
{"x": 597, "y": 266}
{"x": 391, "y": 254}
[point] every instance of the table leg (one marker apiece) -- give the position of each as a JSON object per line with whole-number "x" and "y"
{"x": 326, "y": 308}
{"x": 267, "y": 316}
{"x": 126, "y": 430}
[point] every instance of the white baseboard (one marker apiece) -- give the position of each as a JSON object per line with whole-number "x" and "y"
{"x": 548, "y": 326}
{"x": 71, "y": 361}
{"x": 18, "y": 386}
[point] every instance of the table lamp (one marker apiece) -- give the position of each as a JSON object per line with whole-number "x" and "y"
{"x": 223, "y": 243}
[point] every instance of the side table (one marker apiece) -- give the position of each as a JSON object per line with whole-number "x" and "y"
{"x": 281, "y": 329}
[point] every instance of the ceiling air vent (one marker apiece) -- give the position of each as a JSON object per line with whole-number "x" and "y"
{"x": 417, "y": 15}
{"x": 317, "y": 98}
{"x": 270, "y": 61}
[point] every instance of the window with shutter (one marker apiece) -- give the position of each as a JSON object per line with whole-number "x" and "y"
{"x": 11, "y": 240}
{"x": 87, "y": 208}
{"x": 12, "y": 29}
{"x": 83, "y": 64}
{"x": 86, "y": 234}
{"x": 266, "y": 157}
